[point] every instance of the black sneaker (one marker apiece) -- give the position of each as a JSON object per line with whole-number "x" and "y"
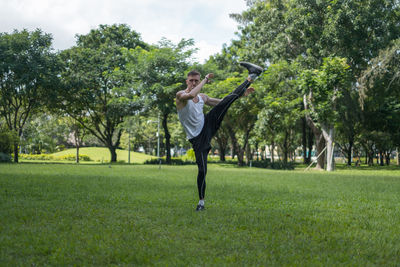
{"x": 200, "y": 207}
{"x": 252, "y": 68}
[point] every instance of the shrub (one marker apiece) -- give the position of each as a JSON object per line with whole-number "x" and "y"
{"x": 36, "y": 156}
{"x": 277, "y": 165}
{"x": 68, "y": 157}
{"x": 72, "y": 157}
{"x": 190, "y": 155}
{"x": 5, "y": 157}
{"x": 7, "y": 140}
{"x": 174, "y": 161}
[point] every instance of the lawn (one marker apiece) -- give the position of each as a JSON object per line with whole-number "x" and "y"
{"x": 68, "y": 214}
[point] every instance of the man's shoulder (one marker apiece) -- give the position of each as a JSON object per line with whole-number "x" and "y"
{"x": 180, "y": 92}
{"x": 180, "y": 103}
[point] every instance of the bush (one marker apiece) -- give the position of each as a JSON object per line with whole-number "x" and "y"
{"x": 5, "y": 157}
{"x": 190, "y": 155}
{"x": 7, "y": 140}
{"x": 277, "y": 165}
{"x": 174, "y": 161}
{"x": 72, "y": 157}
{"x": 68, "y": 157}
{"x": 36, "y": 157}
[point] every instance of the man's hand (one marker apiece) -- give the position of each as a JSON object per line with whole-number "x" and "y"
{"x": 209, "y": 77}
{"x": 248, "y": 91}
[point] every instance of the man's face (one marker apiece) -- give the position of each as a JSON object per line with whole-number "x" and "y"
{"x": 192, "y": 81}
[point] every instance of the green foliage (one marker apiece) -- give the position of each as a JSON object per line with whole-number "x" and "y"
{"x": 277, "y": 165}
{"x": 7, "y": 140}
{"x": 5, "y": 157}
{"x": 174, "y": 161}
{"x": 191, "y": 155}
{"x": 96, "y": 82}
{"x": 158, "y": 73}
{"x": 380, "y": 93}
{"x": 28, "y": 77}
{"x": 325, "y": 88}
{"x": 68, "y": 157}
{"x": 44, "y": 133}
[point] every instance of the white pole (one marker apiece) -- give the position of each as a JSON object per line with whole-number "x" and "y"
{"x": 315, "y": 159}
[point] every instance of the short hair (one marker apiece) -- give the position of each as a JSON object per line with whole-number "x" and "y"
{"x": 193, "y": 73}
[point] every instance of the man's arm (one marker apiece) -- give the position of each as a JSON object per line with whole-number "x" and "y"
{"x": 183, "y": 96}
{"x": 210, "y": 101}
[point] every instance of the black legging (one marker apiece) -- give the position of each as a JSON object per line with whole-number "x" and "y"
{"x": 212, "y": 122}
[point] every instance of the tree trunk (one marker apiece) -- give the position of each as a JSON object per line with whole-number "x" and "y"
{"x": 233, "y": 151}
{"x": 272, "y": 151}
{"x": 304, "y": 139}
{"x": 16, "y": 152}
{"x": 285, "y": 148}
{"x": 113, "y": 153}
{"x": 235, "y": 146}
{"x": 370, "y": 158}
{"x": 262, "y": 153}
{"x": 310, "y": 145}
{"x": 319, "y": 138}
{"x": 222, "y": 154}
{"x": 398, "y": 157}
{"x": 77, "y": 144}
{"x": 249, "y": 156}
{"x": 319, "y": 144}
{"x": 329, "y": 133}
{"x": 167, "y": 138}
{"x": 350, "y": 153}
{"x": 387, "y": 158}
{"x": 222, "y": 144}
{"x": 77, "y": 153}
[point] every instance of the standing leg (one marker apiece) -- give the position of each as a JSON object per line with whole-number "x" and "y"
{"x": 201, "y": 160}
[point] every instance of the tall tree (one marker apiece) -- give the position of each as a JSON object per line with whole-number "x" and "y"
{"x": 28, "y": 77}
{"x": 281, "y": 111}
{"x": 158, "y": 74}
{"x": 380, "y": 94}
{"x": 97, "y": 88}
{"x": 323, "y": 93}
{"x": 309, "y": 31}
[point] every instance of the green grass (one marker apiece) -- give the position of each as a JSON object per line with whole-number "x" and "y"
{"x": 137, "y": 215}
{"x": 102, "y": 154}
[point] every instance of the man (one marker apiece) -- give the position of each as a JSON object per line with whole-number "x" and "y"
{"x": 201, "y": 128}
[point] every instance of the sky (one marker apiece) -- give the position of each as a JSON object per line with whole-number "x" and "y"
{"x": 206, "y": 21}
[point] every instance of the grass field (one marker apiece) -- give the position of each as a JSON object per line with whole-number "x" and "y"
{"x": 96, "y": 215}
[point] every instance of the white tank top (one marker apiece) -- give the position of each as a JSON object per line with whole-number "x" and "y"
{"x": 192, "y": 117}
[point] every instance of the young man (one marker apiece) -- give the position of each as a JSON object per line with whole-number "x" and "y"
{"x": 201, "y": 128}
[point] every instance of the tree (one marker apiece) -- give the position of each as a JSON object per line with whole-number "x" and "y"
{"x": 7, "y": 140}
{"x": 240, "y": 120}
{"x": 97, "y": 89}
{"x": 159, "y": 74}
{"x": 323, "y": 90}
{"x": 380, "y": 94}
{"x": 28, "y": 77}
{"x": 44, "y": 133}
{"x": 281, "y": 107}
{"x": 309, "y": 31}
